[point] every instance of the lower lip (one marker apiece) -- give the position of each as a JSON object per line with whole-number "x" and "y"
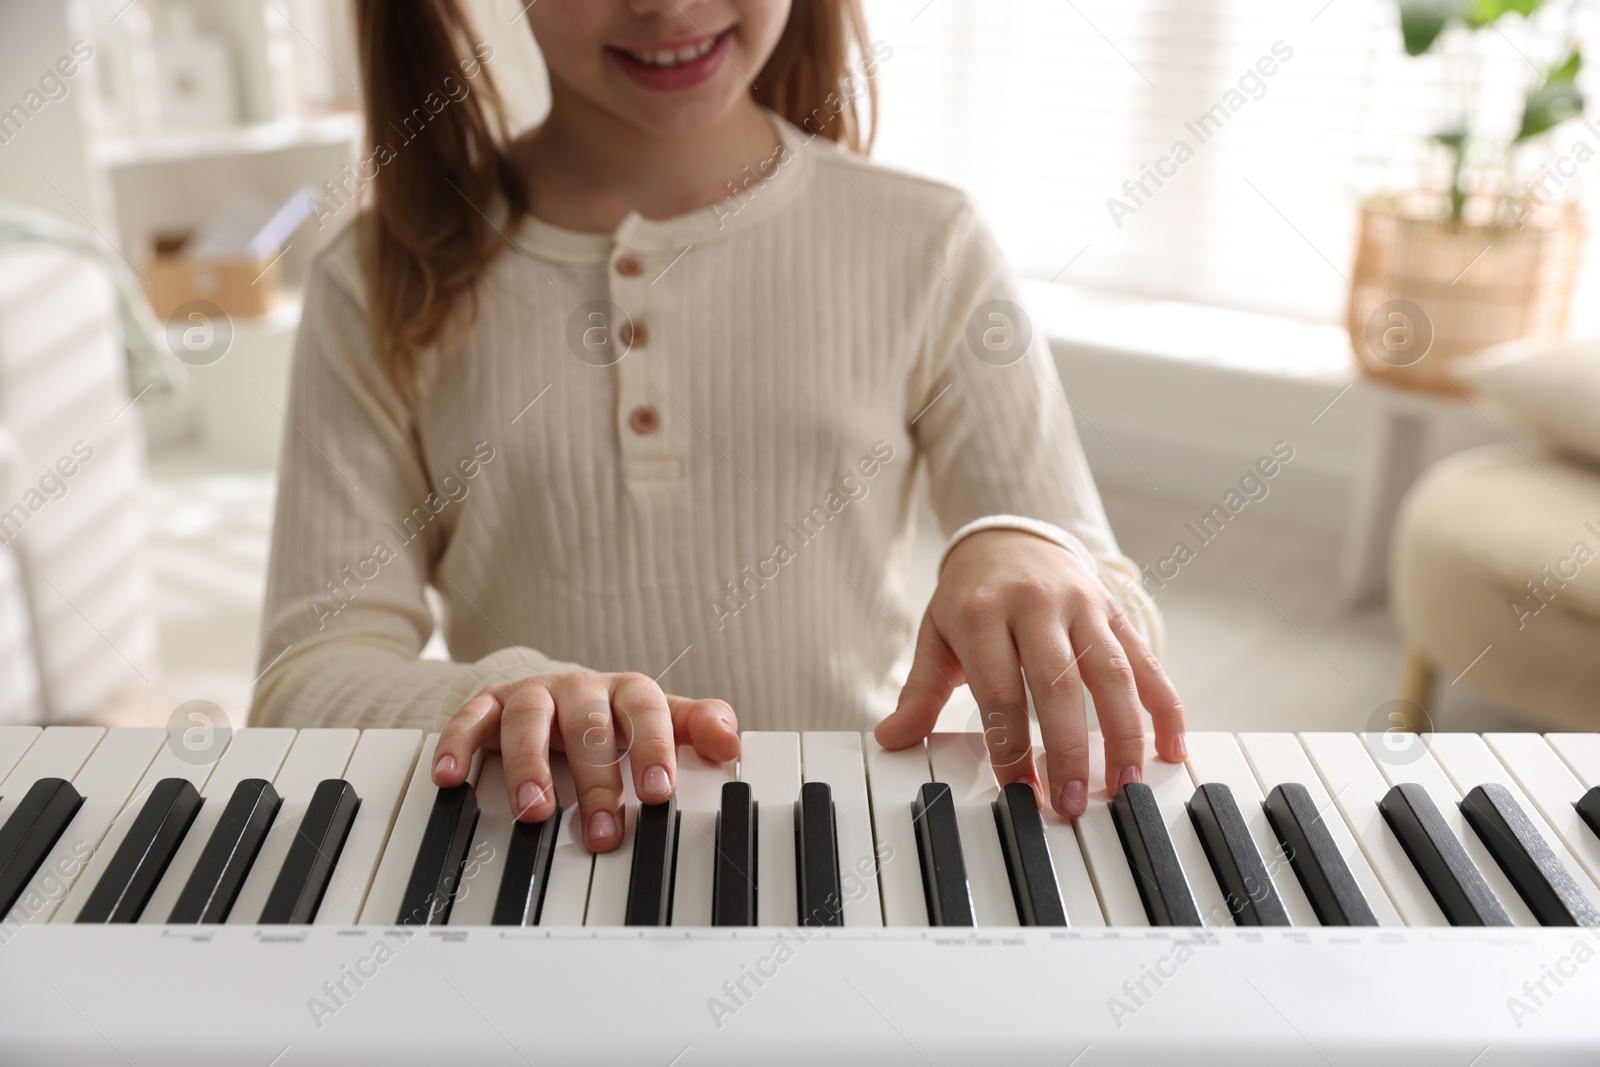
{"x": 671, "y": 79}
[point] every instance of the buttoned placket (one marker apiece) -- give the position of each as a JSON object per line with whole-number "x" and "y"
{"x": 646, "y": 424}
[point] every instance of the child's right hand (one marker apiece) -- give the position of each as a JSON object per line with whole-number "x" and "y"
{"x": 599, "y": 718}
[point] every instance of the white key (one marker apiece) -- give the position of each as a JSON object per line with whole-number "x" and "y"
{"x": 608, "y": 883}
{"x": 959, "y": 761}
{"x": 1278, "y": 759}
{"x": 1426, "y": 772}
{"x": 1103, "y": 852}
{"x": 1072, "y": 873}
{"x": 1173, "y": 786}
{"x": 105, "y": 781}
{"x": 1552, "y": 787}
{"x": 378, "y": 771}
{"x": 59, "y": 753}
{"x": 1471, "y": 763}
{"x": 567, "y": 896}
{"x": 894, "y": 778}
{"x": 256, "y": 753}
{"x": 172, "y": 761}
{"x": 1357, "y": 787}
{"x": 1581, "y": 753}
{"x": 315, "y": 755}
{"x": 486, "y": 857}
{"x": 400, "y": 852}
{"x": 14, "y": 741}
{"x": 834, "y": 757}
{"x": 699, "y": 797}
{"x": 1216, "y": 757}
{"x": 770, "y": 762}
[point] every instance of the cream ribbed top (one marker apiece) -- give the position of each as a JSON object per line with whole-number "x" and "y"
{"x": 729, "y": 502}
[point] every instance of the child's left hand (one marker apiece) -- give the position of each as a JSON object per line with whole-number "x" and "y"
{"x": 1011, "y": 605}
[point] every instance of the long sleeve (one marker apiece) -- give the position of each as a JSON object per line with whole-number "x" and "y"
{"x": 346, "y": 617}
{"x": 724, "y": 505}
{"x": 993, "y": 421}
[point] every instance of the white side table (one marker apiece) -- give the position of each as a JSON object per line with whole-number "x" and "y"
{"x": 1394, "y": 452}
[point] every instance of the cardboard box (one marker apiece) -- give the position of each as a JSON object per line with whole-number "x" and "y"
{"x": 242, "y": 288}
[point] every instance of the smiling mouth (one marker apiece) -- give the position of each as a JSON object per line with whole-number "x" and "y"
{"x": 672, "y": 57}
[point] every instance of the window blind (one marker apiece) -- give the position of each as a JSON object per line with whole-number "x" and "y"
{"x": 1212, "y": 151}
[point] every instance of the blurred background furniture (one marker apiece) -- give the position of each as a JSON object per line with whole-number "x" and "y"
{"x": 1478, "y": 591}
{"x": 1497, "y": 555}
{"x": 87, "y": 606}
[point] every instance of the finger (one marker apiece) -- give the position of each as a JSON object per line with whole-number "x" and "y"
{"x": 1051, "y": 668}
{"x": 1109, "y": 676}
{"x": 935, "y": 673}
{"x": 988, "y": 656}
{"x": 709, "y": 725}
{"x": 583, "y": 710}
{"x": 1156, "y": 691}
{"x": 646, "y": 727}
{"x": 475, "y": 726}
{"x": 525, "y": 751}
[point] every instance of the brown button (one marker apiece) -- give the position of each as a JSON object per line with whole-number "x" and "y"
{"x": 633, "y": 334}
{"x": 629, "y": 266}
{"x": 644, "y": 419}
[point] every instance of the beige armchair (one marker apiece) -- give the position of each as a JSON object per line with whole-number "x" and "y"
{"x": 1496, "y": 582}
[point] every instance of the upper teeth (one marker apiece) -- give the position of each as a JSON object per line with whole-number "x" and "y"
{"x": 666, "y": 57}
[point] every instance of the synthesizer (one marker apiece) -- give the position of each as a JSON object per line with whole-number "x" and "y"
{"x": 275, "y": 896}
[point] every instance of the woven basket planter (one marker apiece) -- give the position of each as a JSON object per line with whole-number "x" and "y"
{"x": 1428, "y": 290}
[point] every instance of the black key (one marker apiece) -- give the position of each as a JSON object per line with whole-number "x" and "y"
{"x": 816, "y": 849}
{"x": 1317, "y": 862}
{"x": 1248, "y": 888}
{"x": 313, "y": 854}
{"x": 733, "y": 882}
{"x": 944, "y": 869}
{"x": 32, "y": 831}
{"x": 1541, "y": 879}
{"x": 1451, "y": 876}
{"x": 1588, "y": 806}
{"x": 142, "y": 858}
{"x": 1168, "y": 901}
{"x": 1033, "y": 876}
{"x": 527, "y": 873}
{"x": 655, "y": 853}
{"x": 436, "y": 875}
{"x": 224, "y": 863}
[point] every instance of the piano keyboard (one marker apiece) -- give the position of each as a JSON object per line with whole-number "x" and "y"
{"x": 828, "y": 835}
{"x": 343, "y": 827}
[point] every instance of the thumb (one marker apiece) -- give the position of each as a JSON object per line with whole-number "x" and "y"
{"x": 709, "y": 725}
{"x": 935, "y": 673}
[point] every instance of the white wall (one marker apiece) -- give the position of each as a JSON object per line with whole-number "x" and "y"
{"x": 49, "y": 149}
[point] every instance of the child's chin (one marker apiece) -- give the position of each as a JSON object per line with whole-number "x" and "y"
{"x": 683, "y": 114}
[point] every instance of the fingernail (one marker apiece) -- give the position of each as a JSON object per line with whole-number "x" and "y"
{"x": 656, "y": 783}
{"x": 1075, "y": 797}
{"x": 602, "y": 826}
{"x": 1181, "y": 747}
{"x": 445, "y": 764}
{"x": 1130, "y": 773}
{"x": 528, "y": 796}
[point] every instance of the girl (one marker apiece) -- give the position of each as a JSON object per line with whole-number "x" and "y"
{"x": 645, "y": 390}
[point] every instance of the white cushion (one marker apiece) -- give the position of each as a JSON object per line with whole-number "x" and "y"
{"x": 1552, "y": 388}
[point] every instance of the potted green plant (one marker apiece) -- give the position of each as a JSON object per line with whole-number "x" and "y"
{"x": 1442, "y": 273}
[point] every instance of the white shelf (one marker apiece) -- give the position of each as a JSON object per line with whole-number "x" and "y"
{"x": 181, "y": 145}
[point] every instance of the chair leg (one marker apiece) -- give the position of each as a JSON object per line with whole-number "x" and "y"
{"x": 1416, "y": 684}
